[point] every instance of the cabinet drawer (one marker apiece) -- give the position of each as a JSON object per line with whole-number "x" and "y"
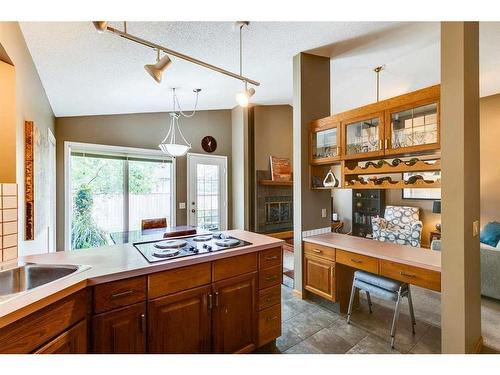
{"x": 270, "y": 276}
{"x": 269, "y": 258}
{"x": 234, "y": 266}
{"x": 319, "y": 251}
{"x": 411, "y": 275}
{"x": 120, "y": 293}
{"x": 319, "y": 276}
{"x": 269, "y": 326}
{"x": 358, "y": 261}
{"x": 269, "y": 297}
{"x": 176, "y": 280}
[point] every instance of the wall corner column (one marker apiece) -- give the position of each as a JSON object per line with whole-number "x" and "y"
{"x": 461, "y": 294}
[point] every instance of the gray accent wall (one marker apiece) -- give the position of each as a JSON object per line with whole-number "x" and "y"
{"x": 145, "y": 130}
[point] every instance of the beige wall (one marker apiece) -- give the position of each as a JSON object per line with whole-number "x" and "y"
{"x": 490, "y": 158}
{"x": 143, "y": 131}
{"x": 31, "y": 105}
{"x": 273, "y": 133}
{"x": 7, "y": 123}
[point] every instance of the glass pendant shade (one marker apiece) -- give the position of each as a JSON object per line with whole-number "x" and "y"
{"x": 243, "y": 98}
{"x": 169, "y": 145}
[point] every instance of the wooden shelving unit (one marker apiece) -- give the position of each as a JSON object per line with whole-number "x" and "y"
{"x": 394, "y": 185}
{"x": 275, "y": 183}
{"x": 419, "y": 166}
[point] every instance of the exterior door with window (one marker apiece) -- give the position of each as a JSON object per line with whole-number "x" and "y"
{"x": 207, "y": 191}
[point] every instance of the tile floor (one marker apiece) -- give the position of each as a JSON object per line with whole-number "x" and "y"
{"x": 311, "y": 327}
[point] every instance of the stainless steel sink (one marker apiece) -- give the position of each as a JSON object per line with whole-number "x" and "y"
{"x": 21, "y": 279}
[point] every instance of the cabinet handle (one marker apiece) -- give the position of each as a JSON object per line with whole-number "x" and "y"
{"x": 268, "y": 299}
{"x": 317, "y": 251}
{"x": 210, "y": 301}
{"x": 407, "y": 275}
{"x": 143, "y": 323}
{"x": 269, "y": 319}
{"x": 338, "y": 150}
{"x": 271, "y": 277}
{"x": 122, "y": 294}
{"x": 272, "y": 258}
{"x": 386, "y": 143}
{"x": 356, "y": 261}
{"x": 380, "y": 144}
{"x": 216, "y": 299}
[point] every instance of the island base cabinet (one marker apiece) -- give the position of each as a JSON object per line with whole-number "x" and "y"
{"x": 180, "y": 323}
{"x": 234, "y": 314}
{"x": 73, "y": 341}
{"x": 120, "y": 331}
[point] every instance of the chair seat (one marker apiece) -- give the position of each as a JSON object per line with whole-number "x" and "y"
{"x": 378, "y": 281}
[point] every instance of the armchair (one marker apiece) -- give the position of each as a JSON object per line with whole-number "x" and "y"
{"x": 400, "y": 225}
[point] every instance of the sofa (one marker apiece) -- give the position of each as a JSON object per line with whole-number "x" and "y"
{"x": 490, "y": 268}
{"x": 399, "y": 225}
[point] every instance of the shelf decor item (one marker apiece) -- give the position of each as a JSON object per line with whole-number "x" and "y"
{"x": 330, "y": 180}
{"x": 281, "y": 169}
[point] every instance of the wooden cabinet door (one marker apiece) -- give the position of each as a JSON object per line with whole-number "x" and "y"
{"x": 180, "y": 323}
{"x": 319, "y": 276}
{"x": 363, "y": 136}
{"x": 234, "y": 315}
{"x": 73, "y": 341}
{"x": 120, "y": 331}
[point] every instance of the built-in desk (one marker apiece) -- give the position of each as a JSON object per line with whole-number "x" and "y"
{"x": 329, "y": 262}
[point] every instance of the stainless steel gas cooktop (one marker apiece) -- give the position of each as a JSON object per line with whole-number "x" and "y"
{"x": 165, "y": 249}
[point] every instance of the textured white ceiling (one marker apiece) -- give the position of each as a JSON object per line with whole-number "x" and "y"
{"x": 86, "y": 73}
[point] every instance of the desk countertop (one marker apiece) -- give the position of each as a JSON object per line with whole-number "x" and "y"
{"x": 413, "y": 256}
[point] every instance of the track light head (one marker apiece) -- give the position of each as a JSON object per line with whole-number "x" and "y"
{"x": 100, "y": 26}
{"x": 156, "y": 70}
{"x": 243, "y": 98}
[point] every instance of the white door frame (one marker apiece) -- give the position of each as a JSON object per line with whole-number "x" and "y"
{"x": 52, "y": 228}
{"x": 224, "y": 203}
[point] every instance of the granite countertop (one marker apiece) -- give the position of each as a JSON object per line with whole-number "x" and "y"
{"x": 110, "y": 263}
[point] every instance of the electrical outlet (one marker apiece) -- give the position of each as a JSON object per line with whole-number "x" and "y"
{"x": 182, "y": 205}
{"x": 475, "y": 228}
{"x": 323, "y": 212}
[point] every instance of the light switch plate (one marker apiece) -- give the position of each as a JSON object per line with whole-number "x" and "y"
{"x": 323, "y": 212}
{"x": 182, "y": 205}
{"x": 475, "y": 228}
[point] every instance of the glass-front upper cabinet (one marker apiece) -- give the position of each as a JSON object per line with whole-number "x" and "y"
{"x": 325, "y": 144}
{"x": 413, "y": 129}
{"x": 363, "y": 137}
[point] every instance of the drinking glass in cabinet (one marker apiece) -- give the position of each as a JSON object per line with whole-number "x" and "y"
{"x": 414, "y": 127}
{"x": 362, "y": 136}
{"x": 325, "y": 144}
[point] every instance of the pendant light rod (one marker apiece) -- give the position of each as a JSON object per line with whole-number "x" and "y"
{"x": 168, "y": 51}
{"x": 377, "y": 70}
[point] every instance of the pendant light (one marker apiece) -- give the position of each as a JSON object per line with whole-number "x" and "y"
{"x": 175, "y": 144}
{"x": 243, "y": 97}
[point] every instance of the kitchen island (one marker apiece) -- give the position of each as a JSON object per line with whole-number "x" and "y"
{"x": 226, "y": 301}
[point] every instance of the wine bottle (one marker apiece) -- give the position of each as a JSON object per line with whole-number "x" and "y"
{"x": 396, "y": 162}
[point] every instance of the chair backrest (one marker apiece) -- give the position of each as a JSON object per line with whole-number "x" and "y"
{"x": 153, "y": 223}
{"x": 402, "y": 216}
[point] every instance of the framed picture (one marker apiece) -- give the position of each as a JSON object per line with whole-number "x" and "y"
{"x": 421, "y": 193}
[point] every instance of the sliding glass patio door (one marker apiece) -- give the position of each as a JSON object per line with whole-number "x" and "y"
{"x": 113, "y": 192}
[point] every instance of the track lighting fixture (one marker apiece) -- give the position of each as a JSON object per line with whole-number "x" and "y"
{"x": 100, "y": 26}
{"x": 156, "y": 70}
{"x": 243, "y": 98}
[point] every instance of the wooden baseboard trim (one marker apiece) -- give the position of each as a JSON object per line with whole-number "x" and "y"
{"x": 297, "y": 293}
{"x": 478, "y": 348}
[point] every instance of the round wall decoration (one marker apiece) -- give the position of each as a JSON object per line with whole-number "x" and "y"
{"x": 209, "y": 144}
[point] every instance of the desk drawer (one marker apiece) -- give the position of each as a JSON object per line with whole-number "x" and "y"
{"x": 269, "y": 326}
{"x": 119, "y": 293}
{"x": 411, "y": 275}
{"x": 269, "y": 277}
{"x": 319, "y": 251}
{"x": 358, "y": 261}
{"x": 269, "y": 297}
{"x": 269, "y": 258}
{"x": 234, "y": 266}
{"x": 179, "y": 279}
